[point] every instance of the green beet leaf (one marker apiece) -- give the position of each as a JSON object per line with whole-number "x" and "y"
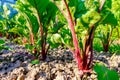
{"x": 40, "y": 5}
{"x": 35, "y": 61}
{"x": 103, "y": 73}
{"x": 29, "y": 47}
{"x": 109, "y": 18}
{"x": 1, "y": 47}
{"x": 2, "y": 41}
{"x": 56, "y": 38}
{"x": 33, "y": 22}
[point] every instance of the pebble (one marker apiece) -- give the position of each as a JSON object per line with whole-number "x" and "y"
{"x": 118, "y": 64}
{"x": 93, "y": 76}
{"x": 13, "y": 77}
{"x": 17, "y": 63}
{"x": 59, "y": 76}
{"x": 21, "y": 77}
{"x": 29, "y": 66}
{"x": 1, "y": 58}
{"x": 42, "y": 78}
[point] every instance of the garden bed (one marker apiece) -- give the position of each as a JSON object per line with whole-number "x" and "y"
{"x": 59, "y": 65}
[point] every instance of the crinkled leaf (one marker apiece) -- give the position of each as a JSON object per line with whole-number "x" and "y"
{"x": 91, "y": 17}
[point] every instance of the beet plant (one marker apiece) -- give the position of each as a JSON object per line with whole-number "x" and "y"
{"x": 83, "y": 17}
{"x": 105, "y": 36}
{"x": 39, "y": 18}
{"x": 109, "y": 31}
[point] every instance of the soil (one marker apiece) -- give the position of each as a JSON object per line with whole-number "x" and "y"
{"x": 16, "y": 64}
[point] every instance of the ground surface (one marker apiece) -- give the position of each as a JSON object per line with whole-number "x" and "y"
{"x": 60, "y": 65}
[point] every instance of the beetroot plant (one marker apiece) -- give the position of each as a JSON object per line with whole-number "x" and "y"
{"x": 39, "y": 18}
{"x": 83, "y": 17}
{"x": 108, "y": 31}
{"x": 107, "y": 35}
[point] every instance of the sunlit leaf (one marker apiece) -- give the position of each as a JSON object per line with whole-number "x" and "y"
{"x": 56, "y": 38}
{"x": 40, "y": 5}
{"x": 2, "y": 41}
{"x": 109, "y": 18}
{"x": 104, "y": 73}
{"x": 35, "y": 61}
